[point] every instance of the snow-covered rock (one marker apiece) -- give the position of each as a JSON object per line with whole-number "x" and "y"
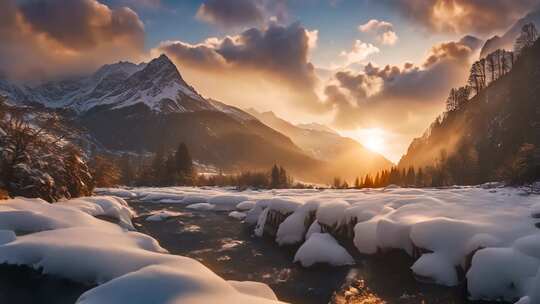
{"x": 293, "y": 229}
{"x": 237, "y": 215}
{"x": 322, "y": 248}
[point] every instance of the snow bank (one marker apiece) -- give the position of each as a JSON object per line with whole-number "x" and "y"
{"x": 129, "y": 266}
{"x": 109, "y": 206}
{"x": 119, "y": 192}
{"x": 33, "y": 215}
{"x": 322, "y": 248}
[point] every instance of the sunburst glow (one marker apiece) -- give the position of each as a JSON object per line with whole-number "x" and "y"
{"x": 372, "y": 138}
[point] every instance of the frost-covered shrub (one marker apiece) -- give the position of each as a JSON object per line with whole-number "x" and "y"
{"x": 37, "y": 158}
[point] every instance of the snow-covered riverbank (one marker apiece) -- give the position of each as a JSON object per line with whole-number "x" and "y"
{"x": 488, "y": 232}
{"x": 67, "y": 240}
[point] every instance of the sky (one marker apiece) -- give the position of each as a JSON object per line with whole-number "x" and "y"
{"x": 374, "y": 70}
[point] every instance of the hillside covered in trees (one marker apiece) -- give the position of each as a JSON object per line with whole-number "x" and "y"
{"x": 491, "y": 129}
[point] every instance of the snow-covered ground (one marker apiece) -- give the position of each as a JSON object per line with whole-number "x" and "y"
{"x": 488, "y": 231}
{"x": 67, "y": 240}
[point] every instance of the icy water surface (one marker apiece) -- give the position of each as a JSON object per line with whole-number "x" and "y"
{"x": 228, "y": 248}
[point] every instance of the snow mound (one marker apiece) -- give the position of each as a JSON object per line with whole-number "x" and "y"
{"x": 186, "y": 282}
{"x": 246, "y": 205}
{"x": 322, "y": 248}
{"x": 23, "y": 215}
{"x": 293, "y": 229}
{"x": 109, "y": 206}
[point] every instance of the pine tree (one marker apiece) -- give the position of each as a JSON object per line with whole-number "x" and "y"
{"x": 419, "y": 178}
{"x": 337, "y": 183}
{"x": 172, "y": 176}
{"x": 410, "y": 179}
{"x": 184, "y": 162}
{"x": 274, "y": 177}
{"x": 284, "y": 181}
{"x": 357, "y": 183}
{"x": 368, "y": 182}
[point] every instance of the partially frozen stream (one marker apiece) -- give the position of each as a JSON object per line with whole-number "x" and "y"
{"x": 228, "y": 247}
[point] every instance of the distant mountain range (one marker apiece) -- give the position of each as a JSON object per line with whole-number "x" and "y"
{"x": 143, "y": 107}
{"x": 341, "y": 154}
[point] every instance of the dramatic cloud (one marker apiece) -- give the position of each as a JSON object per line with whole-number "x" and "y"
{"x": 384, "y": 31}
{"x": 238, "y": 13}
{"x": 463, "y": 16}
{"x": 40, "y": 39}
{"x": 278, "y": 55}
{"x": 401, "y": 95}
{"x": 360, "y": 52}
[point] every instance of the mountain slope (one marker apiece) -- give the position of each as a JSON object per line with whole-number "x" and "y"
{"x": 345, "y": 157}
{"x": 507, "y": 40}
{"x": 488, "y": 133}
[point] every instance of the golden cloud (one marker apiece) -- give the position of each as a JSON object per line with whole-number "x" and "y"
{"x": 42, "y": 39}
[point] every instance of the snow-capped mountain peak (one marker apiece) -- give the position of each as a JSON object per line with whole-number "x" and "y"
{"x": 157, "y": 84}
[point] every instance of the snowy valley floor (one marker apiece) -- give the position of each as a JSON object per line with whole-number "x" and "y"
{"x": 481, "y": 240}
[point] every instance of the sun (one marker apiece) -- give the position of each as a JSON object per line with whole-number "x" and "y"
{"x": 371, "y": 138}
{"x": 374, "y": 142}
